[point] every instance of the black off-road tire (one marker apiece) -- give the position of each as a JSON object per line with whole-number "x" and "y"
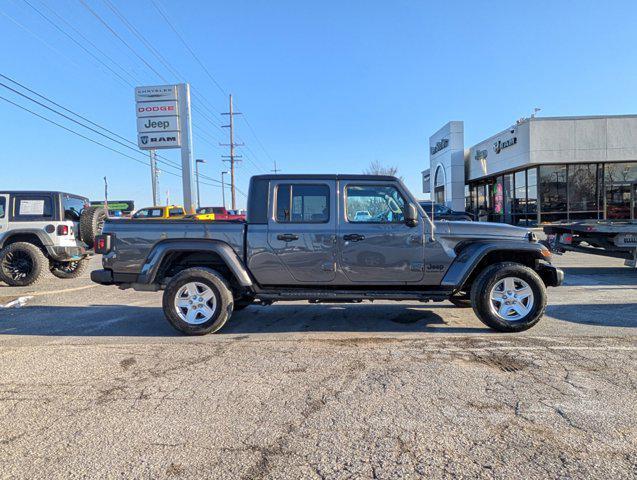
{"x": 69, "y": 269}
{"x": 223, "y": 300}
{"x": 487, "y": 279}
{"x": 91, "y": 224}
{"x": 22, "y": 264}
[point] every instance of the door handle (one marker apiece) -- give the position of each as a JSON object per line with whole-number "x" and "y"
{"x": 287, "y": 237}
{"x": 353, "y": 237}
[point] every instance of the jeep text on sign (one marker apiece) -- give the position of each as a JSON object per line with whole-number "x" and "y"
{"x": 158, "y": 140}
{"x": 157, "y": 124}
{"x": 156, "y": 109}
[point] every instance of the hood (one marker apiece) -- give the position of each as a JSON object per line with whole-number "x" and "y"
{"x": 480, "y": 230}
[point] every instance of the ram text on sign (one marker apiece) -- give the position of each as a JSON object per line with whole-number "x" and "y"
{"x": 156, "y": 140}
{"x": 156, "y": 109}
{"x": 156, "y": 93}
{"x": 157, "y": 124}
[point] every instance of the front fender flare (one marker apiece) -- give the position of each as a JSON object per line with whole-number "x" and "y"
{"x": 469, "y": 257}
{"x": 155, "y": 258}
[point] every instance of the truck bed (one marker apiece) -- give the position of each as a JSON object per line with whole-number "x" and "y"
{"x": 136, "y": 238}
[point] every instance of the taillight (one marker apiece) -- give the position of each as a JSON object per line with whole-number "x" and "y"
{"x": 102, "y": 244}
{"x": 63, "y": 229}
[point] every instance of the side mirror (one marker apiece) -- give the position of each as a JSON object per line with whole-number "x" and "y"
{"x": 411, "y": 215}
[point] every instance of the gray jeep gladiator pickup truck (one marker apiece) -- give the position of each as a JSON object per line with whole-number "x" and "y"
{"x": 303, "y": 240}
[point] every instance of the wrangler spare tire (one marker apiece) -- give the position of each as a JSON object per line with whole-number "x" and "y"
{"x": 91, "y": 224}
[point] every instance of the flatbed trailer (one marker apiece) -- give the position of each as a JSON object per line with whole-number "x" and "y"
{"x": 609, "y": 239}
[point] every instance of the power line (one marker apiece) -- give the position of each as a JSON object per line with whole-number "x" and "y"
{"x": 118, "y": 36}
{"x": 76, "y": 42}
{"x": 185, "y": 44}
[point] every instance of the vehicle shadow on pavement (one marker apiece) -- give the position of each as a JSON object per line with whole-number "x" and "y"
{"x": 605, "y": 315}
{"x": 344, "y": 318}
{"x": 581, "y": 276}
{"x": 138, "y": 321}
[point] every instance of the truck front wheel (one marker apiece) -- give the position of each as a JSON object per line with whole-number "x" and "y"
{"x": 508, "y": 297}
{"x": 197, "y": 301}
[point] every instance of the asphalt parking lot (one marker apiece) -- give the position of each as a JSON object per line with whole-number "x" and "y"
{"x": 95, "y": 383}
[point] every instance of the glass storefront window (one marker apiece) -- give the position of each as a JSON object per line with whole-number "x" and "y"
{"x": 582, "y": 190}
{"x": 620, "y": 180}
{"x": 531, "y": 197}
{"x": 497, "y": 200}
{"x": 553, "y": 198}
{"x": 519, "y": 199}
{"x": 507, "y": 192}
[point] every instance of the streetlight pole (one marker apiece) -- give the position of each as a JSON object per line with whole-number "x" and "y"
{"x": 223, "y": 189}
{"x": 197, "y": 162}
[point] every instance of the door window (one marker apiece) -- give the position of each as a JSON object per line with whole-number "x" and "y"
{"x": 374, "y": 204}
{"x": 302, "y": 203}
{"x": 176, "y": 212}
{"x": 73, "y": 207}
{"x": 3, "y": 206}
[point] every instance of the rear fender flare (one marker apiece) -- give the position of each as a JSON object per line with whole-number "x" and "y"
{"x": 152, "y": 263}
{"x": 45, "y": 240}
{"x": 470, "y": 256}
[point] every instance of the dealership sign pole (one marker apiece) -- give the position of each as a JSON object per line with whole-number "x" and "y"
{"x": 163, "y": 121}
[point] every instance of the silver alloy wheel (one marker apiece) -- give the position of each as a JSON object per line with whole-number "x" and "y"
{"x": 511, "y": 299}
{"x": 195, "y": 303}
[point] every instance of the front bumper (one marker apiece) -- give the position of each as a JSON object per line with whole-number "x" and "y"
{"x": 103, "y": 277}
{"x": 552, "y": 276}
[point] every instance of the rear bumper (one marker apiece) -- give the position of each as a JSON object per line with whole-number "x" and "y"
{"x": 103, "y": 277}
{"x": 552, "y": 276}
{"x": 66, "y": 253}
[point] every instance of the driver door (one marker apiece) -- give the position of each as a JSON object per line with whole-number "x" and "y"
{"x": 377, "y": 248}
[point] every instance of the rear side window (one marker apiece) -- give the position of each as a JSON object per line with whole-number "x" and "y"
{"x": 32, "y": 208}
{"x": 176, "y": 212}
{"x": 3, "y": 206}
{"x": 302, "y": 203}
{"x": 73, "y": 207}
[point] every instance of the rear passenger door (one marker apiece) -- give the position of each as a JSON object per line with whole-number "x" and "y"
{"x": 302, "y": 229}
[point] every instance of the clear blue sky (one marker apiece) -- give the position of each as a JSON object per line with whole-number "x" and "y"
{"x": 328, "y": 86}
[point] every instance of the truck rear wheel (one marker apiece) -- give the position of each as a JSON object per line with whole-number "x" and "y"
{"x": 197, "y": 301}
{"x": 21, "y": 264}
{"x": 91, "y": 224}
{"x": 508, "y": 297}
{"x": 69, "y": 269}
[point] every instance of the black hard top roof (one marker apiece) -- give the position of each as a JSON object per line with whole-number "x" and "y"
{"x": 38, "y": 192}
{"x": 339, "y": 176}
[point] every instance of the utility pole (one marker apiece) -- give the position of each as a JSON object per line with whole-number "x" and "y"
{"x": 275, "y": 170}
{"x": 232, "y": 158}
{"x": 153, "y": 174}
{"x": 106, "y": 195}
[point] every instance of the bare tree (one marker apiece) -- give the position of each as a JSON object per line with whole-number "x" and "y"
{"x": 376, "y": 168}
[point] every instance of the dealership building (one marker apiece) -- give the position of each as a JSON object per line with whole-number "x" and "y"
{"x": 539, "y": 170}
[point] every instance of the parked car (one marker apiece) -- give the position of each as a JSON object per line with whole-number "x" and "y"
{"x": 45, "y": 230}
{"x": 160, "y": 212}
{"x": 302, "y": 241}
{"x": 219, "y": 213}
{"x": 442, "y": 212}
